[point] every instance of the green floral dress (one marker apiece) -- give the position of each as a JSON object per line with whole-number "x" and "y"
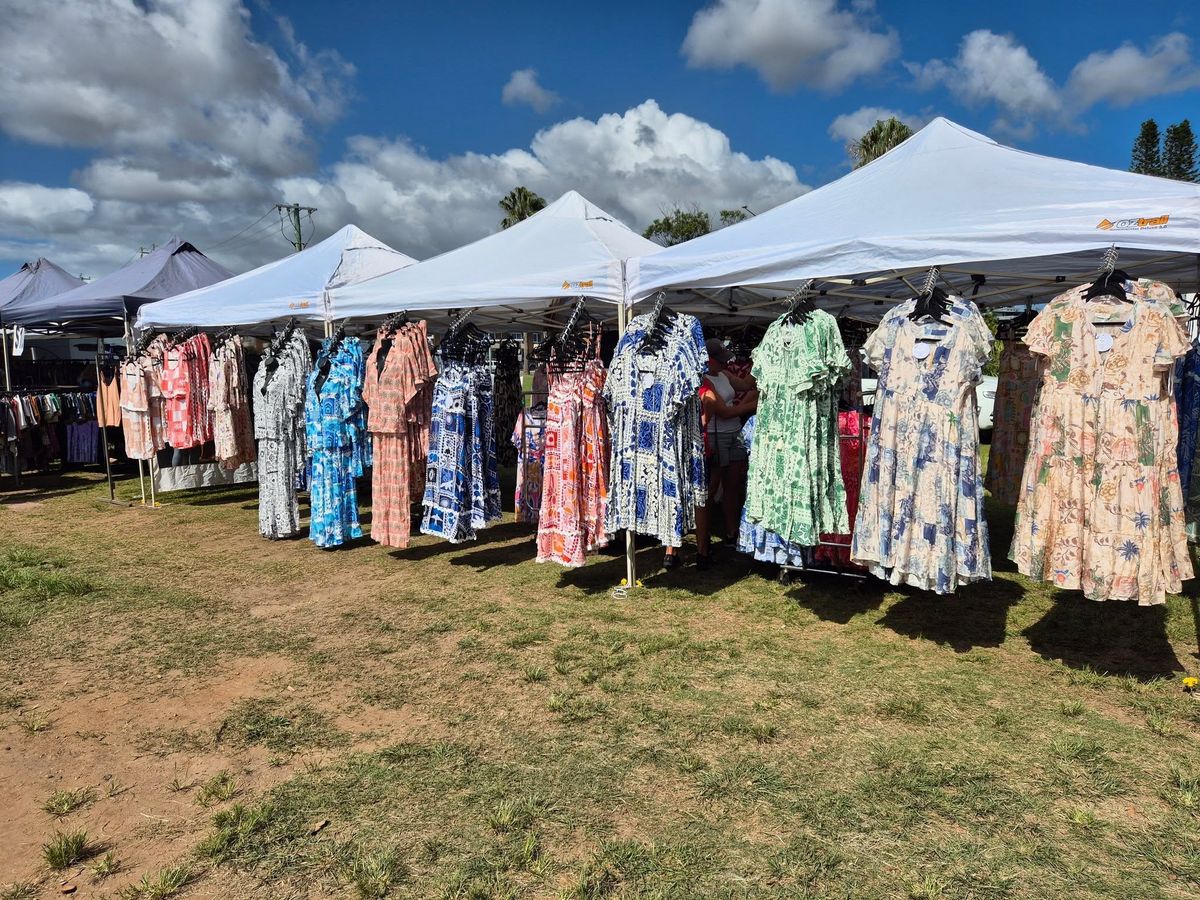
{"x": 1101, "y": 508}
{"x": 795, "y": 485}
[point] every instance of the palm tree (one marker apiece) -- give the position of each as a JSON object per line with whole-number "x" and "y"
{"x": 879, "y": 139}
{"x": 521, "y": 203}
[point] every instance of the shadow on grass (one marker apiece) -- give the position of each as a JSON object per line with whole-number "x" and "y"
{"x": 1114, "y": 638}
{"x": 839, "y": 599}
{"x": 465, "y": 552}
{"x": 978, "y": 618}
{"x": 44, "y": 486}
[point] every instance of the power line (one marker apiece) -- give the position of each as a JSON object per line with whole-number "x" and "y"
{"x": 294, "y": 210}
{"x": 240, "y": 233}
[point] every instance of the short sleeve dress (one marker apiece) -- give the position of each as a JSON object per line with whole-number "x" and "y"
{"x": 1101, "y": 508}
{"x": 920, "y": 516}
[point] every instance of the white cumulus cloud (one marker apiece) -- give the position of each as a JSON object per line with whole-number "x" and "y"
{"x": 24, "y": 206}
{"x": 817, "y": 43}
{"x": 523, "y": 88}
{"x": 1129, "y": 74}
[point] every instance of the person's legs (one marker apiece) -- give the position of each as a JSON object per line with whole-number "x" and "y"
{"x": 735, "y": 497}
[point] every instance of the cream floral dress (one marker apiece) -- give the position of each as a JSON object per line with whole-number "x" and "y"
{"x": 1101, "y": 507}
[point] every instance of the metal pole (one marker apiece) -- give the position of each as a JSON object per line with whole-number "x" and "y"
{"x": 4, "y": 340}
{"x": 112, "y": 489}
{"x": 630, "y": 539}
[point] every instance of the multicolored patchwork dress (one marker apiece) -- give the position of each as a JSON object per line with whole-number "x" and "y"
{"x": 1016, "y": 396}
{"x": 1101, "y": 508}
{"x": 920, "y": 517}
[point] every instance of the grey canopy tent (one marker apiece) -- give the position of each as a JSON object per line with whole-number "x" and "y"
{"x": 35, "y": 281}
{"x": 102, "y": 306}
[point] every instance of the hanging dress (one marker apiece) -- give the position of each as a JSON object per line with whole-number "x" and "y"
{"x": 574, "y": 468}
{"x": 794, "y": 487}
{"x": 656, "y": 471}
{"x": 1016, "y": 395}
{"x": 506, "y": 388}
{"x": 399, "y": 395}
{"x": 1101, "y": 508}
{"x": 278, "y": 397}
{"x": 336, "y": 438}
{"x": 462, "y": 482}
{"x": 920, "y": 516}
{"x": 233, "y": 433}
{"x": 753, "y": 538}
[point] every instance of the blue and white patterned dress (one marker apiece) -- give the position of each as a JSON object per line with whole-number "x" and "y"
{"x": 920, "y": 517}
{"x": 462, "y": 484}
{"x": 337, "y": 439}
{"x": 656, "y": 476}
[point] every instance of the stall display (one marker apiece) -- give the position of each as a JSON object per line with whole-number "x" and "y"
{"x": 142, "y": 413}
{"x": 278, "y": 398}
{"x": 229, "y": 404}
{"x": 921, "y": 518}
{"x": 575, "y": 453}
{"x": 1102, "y": 507}
{"x": 335, "y": 437}
{"x": 794, "y": 487}
{"x": 1016, "y": 394}
{"x": 462, "y": 484}
{"x": 656, "y": 472}
{"x": 184, "y": 381}
{"x": 38, "y": 427}
{"x": 398, "y": 391}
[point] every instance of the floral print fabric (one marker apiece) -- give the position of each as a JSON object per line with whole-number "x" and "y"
{"x": 462, "y": 482}
{"x": 335, "y": 434}
{"x": 184, "y": 386}
{"x": 1016, "y": 396}
{"x": 656, "y": 472}
{"x": 233, "y": 434}
{"x": 142, "y": 416}
{"x": 398, "y": 391}
{"x": 920, "y": 517}
{"x": 834, "y": 549}
{"x": 753, "y": 538}
{"x": 1102, "y": 507}
{"x": 574, "y": 468}
{"x": 794, "y": 487}
{"x": 278, "y": 398}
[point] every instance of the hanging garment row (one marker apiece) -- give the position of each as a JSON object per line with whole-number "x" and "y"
{"x": 278, "y": 399}
{"x": 39, "y": 427}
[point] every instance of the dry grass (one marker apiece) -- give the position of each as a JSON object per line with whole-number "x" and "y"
{"x": 471, "y": 724}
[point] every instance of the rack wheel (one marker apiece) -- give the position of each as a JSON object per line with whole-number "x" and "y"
{"x": 785, "y": 577}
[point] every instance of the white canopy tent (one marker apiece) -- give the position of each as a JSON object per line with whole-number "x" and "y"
{"x": 35, "y": 281}
{"x": 296, "y": 285}
{"x": 103, "y": 304}
{"x": 513, "y": 278}
{"x": 1004, "y": 225}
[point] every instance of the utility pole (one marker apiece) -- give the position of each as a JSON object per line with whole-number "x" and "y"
{"x": 293, "y": 210}
{"x": 142, "y": 251}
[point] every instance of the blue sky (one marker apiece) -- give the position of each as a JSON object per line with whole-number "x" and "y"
{"x": 139, "y": 120}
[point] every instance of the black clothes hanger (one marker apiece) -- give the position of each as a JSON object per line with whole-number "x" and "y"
{"x": 800, "y": 304}
{"x": 661, "y": 318}
{"x": 932, "y": 302}
{"x": 386, "y": 335}
{"x": 1111, "y": 282}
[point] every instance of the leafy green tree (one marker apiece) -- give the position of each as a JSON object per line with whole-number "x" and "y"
{"x": 1147, "y": 155}
{"x": 879, "y": 139}
{"x": 520, "y": 204}
{"x": 678, "y": 225}
{"x": 1179, "y": 153}
{"x": 733, "y": 216}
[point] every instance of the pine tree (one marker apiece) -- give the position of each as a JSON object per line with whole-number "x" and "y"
{"x": 1147, "y": 157}
{"x": 1179, "y": 153}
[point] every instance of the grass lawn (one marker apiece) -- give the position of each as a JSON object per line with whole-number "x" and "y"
{"x": 187, "y": 709}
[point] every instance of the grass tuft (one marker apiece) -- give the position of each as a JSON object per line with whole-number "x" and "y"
{"x": 221, "y": 787}
{"x": 106, "y": 865}
{"x": 33, "y": 723}
{"x": 65, "y": 849}
{"x": 535, "y": 674}
{"x": 63, "y": 803}
{"x": 279, "y": 727}
{"x": 159, "y": 885}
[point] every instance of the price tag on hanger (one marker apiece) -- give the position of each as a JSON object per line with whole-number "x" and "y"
{"x": 1104, "y": 342}
{"x": 920, "y": 350}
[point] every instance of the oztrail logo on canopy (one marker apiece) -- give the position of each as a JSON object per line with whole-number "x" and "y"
{"x": 1133, "y": 224}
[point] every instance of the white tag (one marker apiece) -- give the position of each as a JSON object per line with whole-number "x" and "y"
{"x": 920, "y": 351}
{"x": 1104, "y": 342}
{"x": 18, "y": 346}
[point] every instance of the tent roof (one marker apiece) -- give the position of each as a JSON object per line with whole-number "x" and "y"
{"x": 171, "y": 269}
{"x": 292, "y": 286}
{"x": 35, "y": 281}
{"x": 951, "y": 197}
{"x": 572, "y": 248}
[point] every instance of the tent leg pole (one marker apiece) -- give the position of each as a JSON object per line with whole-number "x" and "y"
{"x": 142, "y": 482}
{"x": 7, "y": 376}
{"x": 150, "y": 468}
{"x": 630, "y": 537}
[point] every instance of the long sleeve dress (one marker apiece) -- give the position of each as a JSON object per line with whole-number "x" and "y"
{"x": 278, "y": 398}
